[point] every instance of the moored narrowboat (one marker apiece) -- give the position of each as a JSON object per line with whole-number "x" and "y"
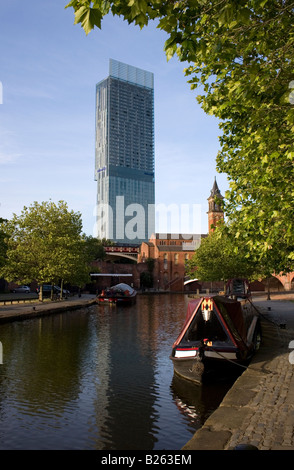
{"x": 219, "y": 331}
{"x": 119, "y": 294}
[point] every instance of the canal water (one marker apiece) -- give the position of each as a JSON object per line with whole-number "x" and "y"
{"x": 100, "y": 378}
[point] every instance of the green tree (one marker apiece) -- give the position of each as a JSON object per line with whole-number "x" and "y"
{"x": 146, "y": 277}
{"x": 240, "y": 56}
{"x": 94, "y": 247}
{"x": 219, "y": 258}
{"x": 44, "y": 244}
{"x": 3, "y": 246}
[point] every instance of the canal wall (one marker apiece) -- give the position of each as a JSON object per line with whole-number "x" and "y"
{"x": 258, "y": 411}
{"x": 25, "y": 311}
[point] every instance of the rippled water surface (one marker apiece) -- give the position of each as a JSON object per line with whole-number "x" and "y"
{"x": 100, "y": 378}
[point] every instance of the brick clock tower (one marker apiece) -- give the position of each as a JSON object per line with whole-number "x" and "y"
{"x": 215, "y": 212}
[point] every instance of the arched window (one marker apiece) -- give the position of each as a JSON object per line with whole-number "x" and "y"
{"x": 165, "y": 261}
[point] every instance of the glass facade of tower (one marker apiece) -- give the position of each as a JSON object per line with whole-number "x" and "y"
{"x": 124, "y": 154}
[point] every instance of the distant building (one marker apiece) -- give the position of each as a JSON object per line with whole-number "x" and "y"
{"x": 215, "y": 211}
{"x": 173, "y": 251}
{"x": 171, "y": 255}
{"x": 124, "y": 155}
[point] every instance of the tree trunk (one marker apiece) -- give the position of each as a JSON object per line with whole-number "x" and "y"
{"x": 52, "y": 292}
{"x": 41, "y": 293}
{"x": 268, "y": 290}
{"x": 61, "y": 289}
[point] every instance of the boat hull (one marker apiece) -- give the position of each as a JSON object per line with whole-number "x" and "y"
{"x": 189, "y": 368}
{"x": 205, "y": 370}
{"x": 116, "y": 300}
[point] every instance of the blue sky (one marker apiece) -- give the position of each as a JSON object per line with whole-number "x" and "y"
{"x": 49, "y": 69}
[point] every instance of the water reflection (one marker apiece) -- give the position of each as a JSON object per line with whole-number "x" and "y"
{"x": 198, "y": 402}
{"x": 99, "y": 378}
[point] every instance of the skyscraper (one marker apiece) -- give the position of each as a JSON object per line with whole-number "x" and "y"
{"x": 124, "y": 154}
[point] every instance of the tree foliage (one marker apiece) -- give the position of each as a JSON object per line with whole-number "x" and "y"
{"x": 219, "y": 258}
{"x": 3, "y": 246}
{"x": 240, "y": 56}
{"x": 44, "y": 244}
{"x": 94, "y": 248}
{"x": 222, "y": 256}
{"x": 146, "y": 277}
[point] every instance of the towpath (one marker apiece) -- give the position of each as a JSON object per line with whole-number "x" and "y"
{"x": 25, "y": 310}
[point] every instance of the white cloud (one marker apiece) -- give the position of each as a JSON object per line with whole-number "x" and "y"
{"x": 7, "y": 158}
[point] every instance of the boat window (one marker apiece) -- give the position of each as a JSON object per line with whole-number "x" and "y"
{"x": 210, "y": 329}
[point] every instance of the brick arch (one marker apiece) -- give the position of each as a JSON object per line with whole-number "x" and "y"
{"x": 285, "y": 279}
{"x": 275, "y": 283}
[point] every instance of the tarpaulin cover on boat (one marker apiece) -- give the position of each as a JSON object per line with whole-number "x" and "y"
{"x": 231, "y": 312}
{"x": 122, "y": 288}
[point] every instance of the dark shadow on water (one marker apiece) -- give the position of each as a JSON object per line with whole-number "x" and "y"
{"x": 203, "y": 399}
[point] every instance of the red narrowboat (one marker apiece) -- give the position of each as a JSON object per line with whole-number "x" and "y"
{"x": 218, "y": 331}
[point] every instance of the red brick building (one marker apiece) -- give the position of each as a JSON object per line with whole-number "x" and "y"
{"x": 170, "y": 256}
{"x": 171, "y": 252}
{"x": 215, "y": 211}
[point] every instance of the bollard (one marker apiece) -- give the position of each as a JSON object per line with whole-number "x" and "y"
{"x": 245, "y": 447}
